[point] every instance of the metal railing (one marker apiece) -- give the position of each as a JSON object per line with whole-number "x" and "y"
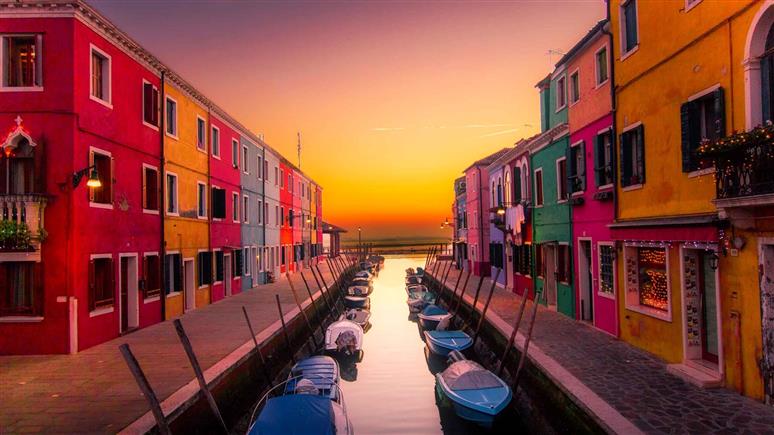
{"x": 747, "y": 171}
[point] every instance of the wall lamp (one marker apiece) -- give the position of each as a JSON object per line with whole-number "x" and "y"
{"x": 93, "y": 180}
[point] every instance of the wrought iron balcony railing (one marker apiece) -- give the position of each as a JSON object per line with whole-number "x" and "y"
{"x": 21, "y": 222}
{"x": 745, "y": 171}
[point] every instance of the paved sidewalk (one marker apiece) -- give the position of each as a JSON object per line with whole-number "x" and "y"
{"x": 94, "y": 392}
{"x": 635, "y": 383}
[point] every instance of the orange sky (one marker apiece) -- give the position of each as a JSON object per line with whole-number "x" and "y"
{"x": 393, "y": 99}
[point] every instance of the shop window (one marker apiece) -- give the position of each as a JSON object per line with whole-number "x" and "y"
{"x": 702, "y": 119}
{"x": 21, "y": 289}
{"x": 606, "y": 270}
{"x": 102, "y": 283}
{"x": 633, "y": 156}
{"x": 151, "y": 270}
{"x": 647, "y": 282}
{"x": 22, "y": 61}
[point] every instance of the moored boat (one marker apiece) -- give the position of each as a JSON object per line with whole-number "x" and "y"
{"x": 418, "y": 300}
{"x": 344, "y": 337}
{"x": 432, "y": 316}
{"x": 443, "y": 342}
{"x": 357, "y": 315}
{"x": 355, "y": 301}
{"x": 358, "y": 290}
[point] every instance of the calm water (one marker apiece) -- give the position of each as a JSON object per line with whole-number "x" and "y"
{"x": 393, "y": 389}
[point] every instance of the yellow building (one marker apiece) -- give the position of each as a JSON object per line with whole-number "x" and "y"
{"x": 188, "y": 262}
{"x": 680, "y": 77}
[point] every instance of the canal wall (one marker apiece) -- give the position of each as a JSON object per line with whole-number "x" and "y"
{"x": 239, "y": 380}
{"x": 548, "y": 398}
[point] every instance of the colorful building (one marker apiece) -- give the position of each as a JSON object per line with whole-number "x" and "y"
{"x": 271, "y": 188}
{"x": 495, "y": 218}
{"x": 287, "y": 263}
{"x": 460, "y": 219}
{"x": 590, "y": 178}
{"x": 254, "y": 210}
{"x": 551, "y": 218}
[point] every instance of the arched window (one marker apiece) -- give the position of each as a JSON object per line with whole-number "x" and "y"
{"x": 767, "y": 77}
{"x": 17, "y": 167}
{"x": 494, "y": 194}
{"x": 516, "y": 185}
{"x": 499, "y": 191}
{"x": 508, "y": 188}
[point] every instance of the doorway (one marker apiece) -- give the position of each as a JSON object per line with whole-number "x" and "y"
{"x": 585, "y": 287}
{"x": 130, "y": 316}
{"x": 701, "y": 307}
{"x": 551, "y": 274}
{"x": 766, "y": 260}
{"x": 190, "y": 286}
{"x": 227, "y": 274}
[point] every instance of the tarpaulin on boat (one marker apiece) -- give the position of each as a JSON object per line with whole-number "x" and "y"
{"x": 433, "y": 310}
{"x": 468, "y": 375}
{"x": 295, "y": 415}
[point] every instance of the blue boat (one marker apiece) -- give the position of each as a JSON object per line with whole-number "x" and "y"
{"x": 418, "y": 300}
{"x": 322, "y": 370}
{"x": 433, "y": 315}
{"x": 353, "y": 301}
{"x": 476, "y": 394}
{"x": 443, "y": 342}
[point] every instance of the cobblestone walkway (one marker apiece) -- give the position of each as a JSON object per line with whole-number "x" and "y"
{"x": 94, "y": 392}
{"x": 632, "y": 381}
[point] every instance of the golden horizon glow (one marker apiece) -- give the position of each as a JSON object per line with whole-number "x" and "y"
{"x": 393, "y": 100}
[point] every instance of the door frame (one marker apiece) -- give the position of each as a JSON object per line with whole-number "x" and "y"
{"x": 763, "y": 244}
{"x": 189, "y": 285}
{"x": 228, "y": 278}
{"x": 589, "y": 291}
{"x": 132, "y": 294}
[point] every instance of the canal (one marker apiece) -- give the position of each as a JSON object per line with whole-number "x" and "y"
{"x": 392, "y": 390}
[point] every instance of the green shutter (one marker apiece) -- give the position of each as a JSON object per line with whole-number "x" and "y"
{"x": 641, "y": 154}
{"x": 687, "y": 137}
{"x": 516, "y": 185}
{"x": 626, "y": 163}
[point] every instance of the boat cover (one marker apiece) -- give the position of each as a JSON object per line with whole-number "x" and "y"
{"x": 295, "y": 415}
{"x": 433, "y": 310}
{"x": 469, "y": 375}
{"x": 346, "y": 341}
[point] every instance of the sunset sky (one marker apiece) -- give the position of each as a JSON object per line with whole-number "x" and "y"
{"x": 393, "y": 99}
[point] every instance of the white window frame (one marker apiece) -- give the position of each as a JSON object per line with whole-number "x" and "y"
{"x": 109, "y": 102}
{"x": 215, "y": 144}
{"x": 167, "y": 257}
{"x": 622, "y": 28}
{"x": 203, "y": 149}
{"x": 576, "y": 144}
{"x": 259, "y": 171}
{"x": 246, "y": 265}
{"x": 599, "y": 270}
{"x": 636, "y": 307}
{"x": 599, "y": 84}
{"x": 117, "y": 278}
{"x": 559, "y": 199}
{"x": 199, "y": 198}
{"x": 214, "y": 219}
{"x": 215, "y": 266}
{"x": 245, "y": 208}
{"x": 541, "y": 190}
{"x": 575, "y": 72}
{"x": 561, "y": 79}
{"x": 173, "y": 135}
{"x": 235, "y": 205}
{"x": 245, "y": 159}
{"x": 234, "y": 153}
{"x": 96, "y": 150}
{"x": 166, "y": 194}
{"x": 154, "y": 168}
{"x": 38, "y": 59}
{"x": 142, "y": 114}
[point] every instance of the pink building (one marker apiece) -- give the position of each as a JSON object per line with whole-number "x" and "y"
{"x": 226, "y": 233}
{"x": 298, "y": 218}
{"x": 591, "y": 169}
{"x": 478, "y": 205}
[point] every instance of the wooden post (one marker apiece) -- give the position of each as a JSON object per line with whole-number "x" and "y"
{"x": 198, "y": 371}
{"x": 333, "y": 273}
{"x": 285, "y": 330}
{"x": 322, "y": 292}
{"x": 513, "y": 334}
{"x": 334, "y": 301}
{"x": 462, "y": 292}
{"x": 475, "y": 300}
{"x": 527, "y": 340}
{"x": 264, "y": 368}
{"x": 314, "y": 303}
{"x": 301, "y": 309}
{"x": 454, "y": 293}
{"x": 145, "y": 387}
{"x": 427, "y": 256}
{"x": 486, "y": 306}
{"x": 445, "y": 276}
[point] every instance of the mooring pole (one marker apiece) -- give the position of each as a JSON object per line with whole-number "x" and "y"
{"x": 319, "y": 287}
{"x": 475, "y": 300}
{"x": 285, "y": 330}
{"x": 314, "y": 303}
{"x": 303, "y": 313}
{"x": 486, "y": 306}
{"x": 334, "y": 300}
{"x": 513, "y": 334}
{"x": 333, "y": 272}
{"x": 427, "y": 256}
{"x": 145, "y": 387}
{"x": 445, "y": 276}
{"x": 462, "y": 292}
{"x": 264, "y": 368}
{"x": 454, "y": 293}
{"x": 523, "y": 358}
{"x": 198, "y": 371}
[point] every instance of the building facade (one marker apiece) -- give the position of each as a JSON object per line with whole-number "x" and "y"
{"x": 254, "y": 219}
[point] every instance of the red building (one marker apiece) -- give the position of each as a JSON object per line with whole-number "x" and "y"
{"x": 78, "y": 104}
{"x": 286, "y": 213}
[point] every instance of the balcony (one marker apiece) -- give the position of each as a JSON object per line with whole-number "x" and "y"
{"x": 21, "y": 224}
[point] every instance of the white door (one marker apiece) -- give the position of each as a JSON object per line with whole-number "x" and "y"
{"x": 190, "y": 286}
{"x": 227, "y": 274}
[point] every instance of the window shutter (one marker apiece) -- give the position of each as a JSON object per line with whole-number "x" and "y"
{"x": 112, "y": 178}
{"x": 516, "y": 185}
{"x": 90, "y": 190}
{"x": 686, "y": 136}
{"x": 599, "y": 164}
{"x": 581, "y": 171}
{"x": 112, "y": 272}
{"x": 720, "y": 112}
{"x": 766, "y": 88}
{"x": 92, "y": 286}
{"x": 626, "y": 161}
{"x": 178, "y": 272}
{"x": 144, "y": 188}
{"x": 641, "y": 152}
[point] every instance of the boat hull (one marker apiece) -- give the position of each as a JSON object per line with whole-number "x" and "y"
{"x": 442, "y": 347}
{"x": 356, "y": 302}
{"x": 482, "y": 419}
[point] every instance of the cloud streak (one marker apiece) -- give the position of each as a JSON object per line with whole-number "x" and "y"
{"x": 500, "y": 133}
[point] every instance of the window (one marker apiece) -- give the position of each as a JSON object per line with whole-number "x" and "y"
{"x": 629, "y": 38}
{"x": 201, "y": 134}
{"x": 172, "y": 194}
{"x": 100, "y": 75}
{"x": 218, "y": 266}
{"x": 246, "y": 264}
{"x": 701, "y": 119}
{"x": 633, "y": 156}
{"x": 647, "y": 281}
{"x": 204, "y": 268}
{"x": 103, "y": 164}
{"x": 22, "y": 61}
{"x": 282, "y": 216}
{"x": 235, "y": 153}
{"x": 173, "y": 273}
{"x": 290, "y": 218}
{"x": 577, "y": 178}
{"x": 606, "y": 268}
{"x": 265, "y": 170}
{"x": 601, "y": 68}
{"x": 151, "y": 276}
{"x": 767, "y": 78}
{"x": 563, "y": 263}
{"x": 201, "y": 200}
{"x": 259, "y": 168}
{"x": 523, "y": 259}
{"x": 260, "y": 212}
{"x": 245, "y": 160}
{"x": 539, "y": 187}
{"x": 150, "y": 104}
{"x": 21, "y": 288}
{"x": 539, "y": 263}
{"x": 574, "y": 87}
{"x": 215, "y": 142}
{"x": 561, "y": 93}
{"x": 275, "y": 175}
{"x": 603, "y": 158}
{"x": 282, "y": 179}
{"x": 561, "y": 179}
{"x": 290, "y": 182}
{"x": 237, "y": 261}
{"x": 496, "y": 254}
{"x": 150, "y": 188}
{"x": 276, "y": 215}
{"x": 265, "y": 213}
{"x": 218, "y": 203}
{"x": 235, "y": 206}
{"x": 171, "y": 117}
{"x": 246, "y": 209}
{"x": 101, "y": 283}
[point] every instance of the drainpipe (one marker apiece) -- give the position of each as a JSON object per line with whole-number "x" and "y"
{"x": 209, "y": 211}
{"x": 480, "y": 214}
{"x": 265, "y": 207}
{"x": 162, "y": 209}
{"x": 613, "y": 136}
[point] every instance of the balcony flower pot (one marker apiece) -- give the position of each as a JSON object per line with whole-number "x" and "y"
{"x": 15, "y": 236}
